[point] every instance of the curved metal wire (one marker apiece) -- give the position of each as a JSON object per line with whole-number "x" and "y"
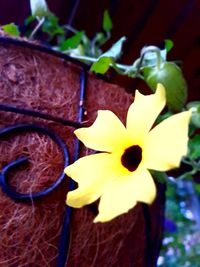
{"x": 37, "y": 114}
{"x": 6, "y": 187}
{"x": 65, "y": 237}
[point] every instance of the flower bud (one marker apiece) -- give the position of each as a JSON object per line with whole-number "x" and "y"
{"x": 171, "y": 77}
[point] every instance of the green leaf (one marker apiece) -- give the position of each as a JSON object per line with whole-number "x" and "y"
{"x": 197, "y": 188}
{"x": 115, "y": 50}
{"x": 39, "y": 8}
{"x": 160, "y": 177}
{"x": 28, "y": 20}
{"x": 108, "y": 58}
{"x": 171, "y": 77}
{"x": 194, "y": 147}
{"x": 195, "y": 107}
{"x": 168, "y": 44}
{"x": 72, "y": 42}
{"x": 107, "y": 22}
{"x": 79, "y": 51}
{"x": 100, "y": 39}
{"x": 163, "y": 116}
{"x": 51, "y": 26}
{"x": 11, "y": 29}
{"x": 101, "y": 65}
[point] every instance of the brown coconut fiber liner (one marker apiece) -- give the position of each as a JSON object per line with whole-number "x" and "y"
{"x": 30, "y": 232}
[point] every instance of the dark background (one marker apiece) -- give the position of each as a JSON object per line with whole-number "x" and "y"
{"x": 141, "y": 21}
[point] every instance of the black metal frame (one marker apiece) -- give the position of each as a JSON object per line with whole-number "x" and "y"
{"x": 11, "y": 192}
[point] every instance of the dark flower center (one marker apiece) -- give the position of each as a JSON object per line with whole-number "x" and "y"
{"x": 131, "y": 158}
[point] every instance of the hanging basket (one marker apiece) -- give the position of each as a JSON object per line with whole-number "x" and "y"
{"x": 45, "y": 88}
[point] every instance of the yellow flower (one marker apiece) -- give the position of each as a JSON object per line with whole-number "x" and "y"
{"x": 119, "y": 175}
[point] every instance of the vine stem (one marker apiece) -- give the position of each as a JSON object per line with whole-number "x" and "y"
{"x": 91, "y": 59}
{"x": 154, "y": 49}
{"x": 134, "y": 69}
{"x": 40, "y": 22}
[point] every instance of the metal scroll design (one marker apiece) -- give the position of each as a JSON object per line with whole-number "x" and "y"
{"x": 10, "y": 191}
{"x": 64, "y": 243}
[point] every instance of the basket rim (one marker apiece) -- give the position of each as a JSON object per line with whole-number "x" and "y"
{"x": 40, "y": 48}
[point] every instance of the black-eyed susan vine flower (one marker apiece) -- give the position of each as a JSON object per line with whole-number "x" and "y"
{"x": 119, "y": 175}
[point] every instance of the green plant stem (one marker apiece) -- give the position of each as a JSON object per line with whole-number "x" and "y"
{"x": 86, "y": 58}
{"x": 70, "y": 28}
{"x": 133, "y": 70}
{"x": 40, "y": 22}
{"x": 151, "y": 49}
{"x": 91, "y": 59}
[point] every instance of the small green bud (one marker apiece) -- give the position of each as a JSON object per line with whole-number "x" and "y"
{"x": 171, "y": 76}
{"x": 195, "y": 108}
{"x": 107, "y": 22}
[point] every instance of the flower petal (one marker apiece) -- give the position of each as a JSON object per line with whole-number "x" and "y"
{"x": 167, "y": 143}
{"x": 91, "y": 173}
{"x": 123, "y": 194}
{"x": 143, "y": 112}
{"x": 106, "y": 134}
